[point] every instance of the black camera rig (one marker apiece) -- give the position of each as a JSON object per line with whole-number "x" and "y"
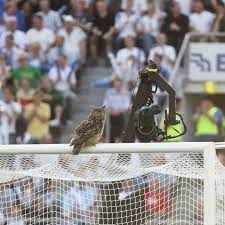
{"x": 142, "y": 122}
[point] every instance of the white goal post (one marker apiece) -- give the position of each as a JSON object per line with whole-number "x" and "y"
{"x": 194, "y": 171}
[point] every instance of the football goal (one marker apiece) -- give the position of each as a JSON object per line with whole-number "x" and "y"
{"x": 122, "y": 184}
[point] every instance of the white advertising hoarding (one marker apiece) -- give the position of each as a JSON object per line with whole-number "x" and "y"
{"x": 207, "y": 61}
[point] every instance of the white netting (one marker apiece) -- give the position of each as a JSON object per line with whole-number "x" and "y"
{"x": 123, "y": 189}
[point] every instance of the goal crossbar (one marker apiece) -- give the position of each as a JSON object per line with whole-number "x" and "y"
{"x": 108, "y": 148}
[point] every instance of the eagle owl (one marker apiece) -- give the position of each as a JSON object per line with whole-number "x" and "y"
{"x": 89, "y": 131}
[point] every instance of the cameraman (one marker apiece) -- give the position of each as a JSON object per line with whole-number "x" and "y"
{"x": 208, "y": 121}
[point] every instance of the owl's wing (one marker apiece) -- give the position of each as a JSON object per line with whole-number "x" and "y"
{"x": 84, "y": 132}
{"x": 86, "y": 127}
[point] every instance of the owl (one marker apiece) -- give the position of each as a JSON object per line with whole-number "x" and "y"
{"x": 89, "y": 131}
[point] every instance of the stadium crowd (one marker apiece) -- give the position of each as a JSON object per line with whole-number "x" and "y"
{"x": 44, "y": 48}
{"x": 45, "y": 45}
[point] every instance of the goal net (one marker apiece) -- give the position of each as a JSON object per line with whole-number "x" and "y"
{"x": 114, "y": 188}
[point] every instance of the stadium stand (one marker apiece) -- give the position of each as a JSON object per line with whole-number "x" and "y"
{"x": 59, "y": 57}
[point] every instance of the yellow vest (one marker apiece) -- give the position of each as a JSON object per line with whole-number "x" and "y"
{"x": 171, "y": 132}
{"x": 205, "y": 126}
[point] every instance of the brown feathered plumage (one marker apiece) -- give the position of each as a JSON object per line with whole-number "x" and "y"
{"x": 89, "y": 131}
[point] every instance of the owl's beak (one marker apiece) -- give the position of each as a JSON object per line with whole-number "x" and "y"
{"x": 104, "y": 106}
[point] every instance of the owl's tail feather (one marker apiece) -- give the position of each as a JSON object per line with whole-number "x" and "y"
{"x": 76, "y": 146}
{"x": 76, "y": 149}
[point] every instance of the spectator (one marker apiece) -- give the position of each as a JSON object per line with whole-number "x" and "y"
{"x": 64, "y": 80}
{"x": 80, "y": 14}
{"x": 2, "y": 5}
{"x": 125, "y": 24}
{"x": 127, "y": 189}
{"x": 139, "y": 6}
{"x": 25, "y": 191}
{"x": 37, "y": 115}
{"x": 208, "y": 122}
{"x": 27, "y": 13}
{"x": 103, "y": 29}
{"x": 60, "y": 5}
{"x": 39, "y": 210}
{"x": 117, "y": 101}
{"x": 201, "y": 20}
{"x": 167, "y": 52}
{"x": 11, "y": 9}
{"x": 25, "y": 92}
{"x": 10, "y": 51}
{"x": 185, "y": 6}
{"x": 130, "y": 58}
{"x": 83, "y": 204}
{"x": 39, "y": 33}
{"x": 51, "y": 198}
{"x": 5, "y": 72}
{"x": 75, "y": 39}
{"x": 219, "y": 21}
{"x": 9, "y": 110}
{"x": 54, "y": 98}
{"x": 20, "y": 38}
{"x": 26, "y": 71}
{"x": 51, "y": 18}
{"x": 63, "y": 76}
{"x": 7, "y": 197}
{"x": 73, "y": 54}
{"x": 148, "y": 27}
{"x": 15, "y": 216}
{"x": 37, "y": 57}
{"x": 59, "y": 49}
{"x": 175, "y": 25}
{"x": 157, "y": 198}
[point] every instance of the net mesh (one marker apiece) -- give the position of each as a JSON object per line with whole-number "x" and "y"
{"x": 123, "y": 189}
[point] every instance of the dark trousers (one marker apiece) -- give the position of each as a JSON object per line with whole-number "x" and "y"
{"x": 116, "y": 127}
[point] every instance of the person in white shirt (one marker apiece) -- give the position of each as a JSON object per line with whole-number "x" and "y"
{"x": 125, "y": 23}
{"x": 51, "y": 18}
{"x": 130, "y": 50}
{"x": 201, "y": 20}
{"x": 75, "y": 38}
{"x": 59, "y": 48}
{"x": 149, "y": 25}
{"x": 167, "y": 52}
{"x": 20, "y": 38}
{"x": 11, "y": 51}
{"x": 130, "y": 60}
{"x": 64, "y": 80}
{"x": 38, "y": 33}
{"x": 62, "y": 75}
{"x": 9, "y": 110}
{"x": 117, "y": 101}
{"x": 36, "y": 56}
{"x": 185, "y": 6}
{"x": 139, "y": 6}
